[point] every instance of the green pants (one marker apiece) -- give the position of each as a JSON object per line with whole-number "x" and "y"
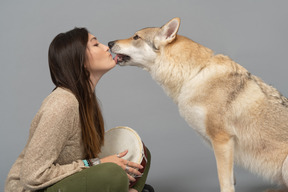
{"x": 105, "y": 177}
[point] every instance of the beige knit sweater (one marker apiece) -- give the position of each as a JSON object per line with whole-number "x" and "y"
{"x": 54, "y": 149}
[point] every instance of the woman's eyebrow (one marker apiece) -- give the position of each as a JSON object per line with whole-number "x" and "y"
{"x": 93, "y": 38}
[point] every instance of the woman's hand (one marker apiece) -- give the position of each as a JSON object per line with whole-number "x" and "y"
{"x": 128, "y": 166}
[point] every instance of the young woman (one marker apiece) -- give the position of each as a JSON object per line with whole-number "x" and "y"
{"x": 68, "y": 131}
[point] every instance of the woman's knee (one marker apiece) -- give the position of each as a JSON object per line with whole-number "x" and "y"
{"x": 148, "y": 153}
{"x": 113, "y": 177}
{"x": 115, "y": 172}
{"x": 106, "y": 177}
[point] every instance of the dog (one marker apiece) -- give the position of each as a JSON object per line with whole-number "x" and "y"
{"x": 244, "y": 119}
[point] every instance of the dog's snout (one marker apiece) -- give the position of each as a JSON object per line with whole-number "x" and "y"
{"x": 111, "y": 44}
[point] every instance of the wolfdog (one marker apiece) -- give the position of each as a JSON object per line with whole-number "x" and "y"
{"x": 244, "y": 119}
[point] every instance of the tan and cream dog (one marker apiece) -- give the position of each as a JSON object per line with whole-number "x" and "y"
{"x": 244, "y": 119}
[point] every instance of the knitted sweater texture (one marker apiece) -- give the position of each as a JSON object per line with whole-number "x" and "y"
{"x": 54, "y": 149}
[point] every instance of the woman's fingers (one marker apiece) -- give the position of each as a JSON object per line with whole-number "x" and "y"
{"x": 133, "y": 171}
{"x": 131, "y": 168}
{"x": 122, "y": 154}
{"x": 131, "y": 178}
{"x": 126, "y": 162}
{"x": 132, "y": 164}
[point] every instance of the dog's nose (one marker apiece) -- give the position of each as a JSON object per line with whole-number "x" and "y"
{"x": 111, "y": 44}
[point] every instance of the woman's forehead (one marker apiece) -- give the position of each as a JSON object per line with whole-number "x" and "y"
{"x": 92, "y": 37}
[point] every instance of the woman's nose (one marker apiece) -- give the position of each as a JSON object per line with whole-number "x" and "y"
{"x": 106, "y": 48}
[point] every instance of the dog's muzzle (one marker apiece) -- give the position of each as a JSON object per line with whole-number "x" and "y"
{"x": 119, "y": 58}
{"x": 111, "y": 44}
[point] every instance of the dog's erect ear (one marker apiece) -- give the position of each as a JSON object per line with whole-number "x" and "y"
{"x": 168, "y": 32}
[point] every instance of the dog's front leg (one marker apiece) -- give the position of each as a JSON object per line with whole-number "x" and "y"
{"x": 224, "y": 153}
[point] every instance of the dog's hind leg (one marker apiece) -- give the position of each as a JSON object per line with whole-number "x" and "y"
{"x": 284, "y": 178}
{"x": 224, "y": 153}
{"x": 285, "y": 172}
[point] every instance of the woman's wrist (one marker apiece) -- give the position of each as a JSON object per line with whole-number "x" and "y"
{"x": 86, "y": 163}
{"x": 94, "y": 161}
{"x": 91, "y": 162}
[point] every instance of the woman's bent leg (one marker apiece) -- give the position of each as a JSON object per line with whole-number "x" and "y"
{"x": 141, "y": 182}
{"x": 105, "y": 177}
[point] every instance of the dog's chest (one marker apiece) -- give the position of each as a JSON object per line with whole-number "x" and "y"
{"x": 195, "y": 116}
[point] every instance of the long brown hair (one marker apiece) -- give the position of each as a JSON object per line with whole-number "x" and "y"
{"x": 67, "y": 56}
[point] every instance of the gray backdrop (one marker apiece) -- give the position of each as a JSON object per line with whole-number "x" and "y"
{"x": 253, "y": 33}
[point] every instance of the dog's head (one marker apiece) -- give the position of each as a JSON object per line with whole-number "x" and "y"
{"x": 143, "y": 47}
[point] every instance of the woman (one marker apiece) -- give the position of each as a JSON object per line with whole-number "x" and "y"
{"x": 68, "y": 131}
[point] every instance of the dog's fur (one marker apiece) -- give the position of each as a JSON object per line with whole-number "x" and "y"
{"x": 244, "y": 119}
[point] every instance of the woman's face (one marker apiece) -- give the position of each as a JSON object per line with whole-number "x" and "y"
{"x": 99, "y": 59}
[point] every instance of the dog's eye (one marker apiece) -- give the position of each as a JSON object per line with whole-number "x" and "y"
{"x": 136, "y": 37}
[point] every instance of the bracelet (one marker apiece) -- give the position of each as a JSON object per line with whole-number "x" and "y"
{"x": 86, "y": 163}
{"x": 95, "y": 161}
{"x": 90, "y": 163}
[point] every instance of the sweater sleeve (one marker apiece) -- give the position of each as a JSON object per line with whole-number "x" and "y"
{"x": 54, "y": 128}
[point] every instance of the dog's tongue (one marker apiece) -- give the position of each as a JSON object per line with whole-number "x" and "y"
{"x": 116, "y": 58}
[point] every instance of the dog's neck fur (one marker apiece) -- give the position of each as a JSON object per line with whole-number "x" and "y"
{"x": 172, "y": 67}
